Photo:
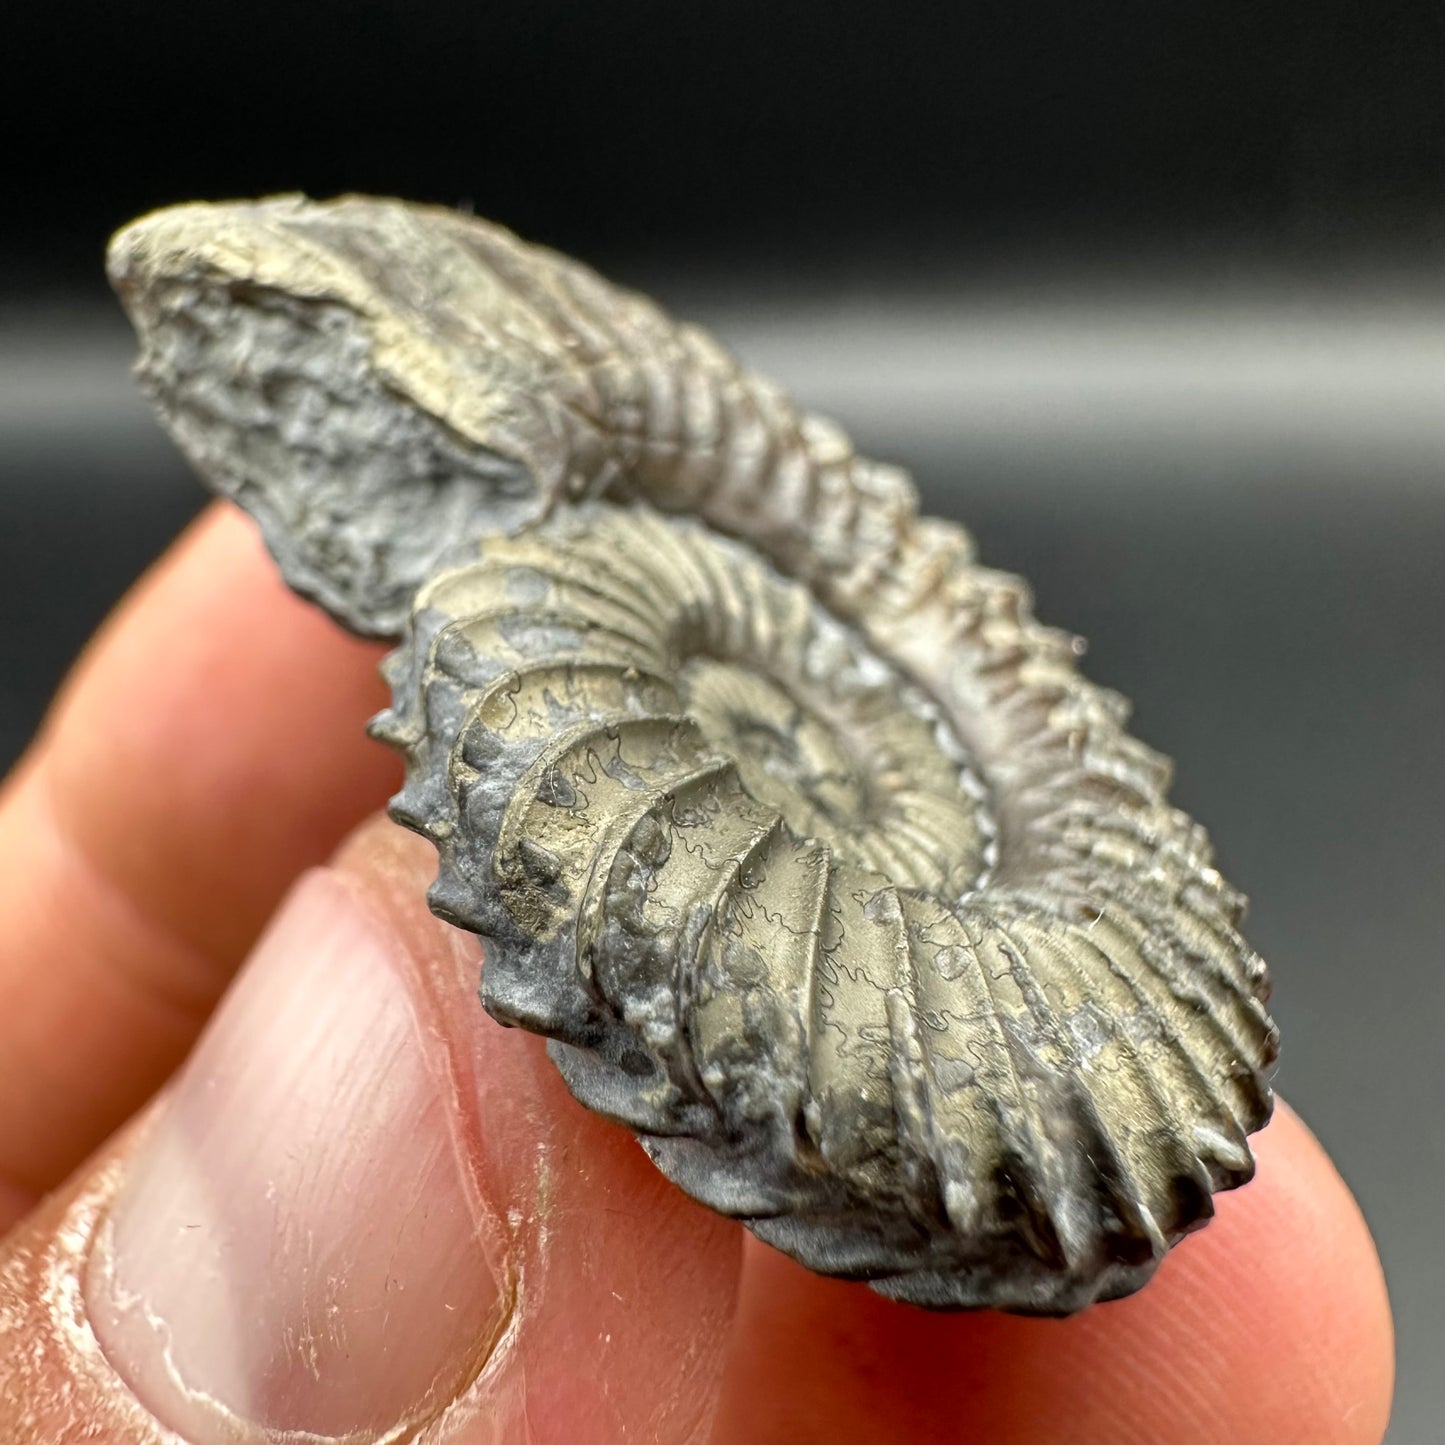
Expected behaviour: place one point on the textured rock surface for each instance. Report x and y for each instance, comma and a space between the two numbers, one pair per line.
810, 850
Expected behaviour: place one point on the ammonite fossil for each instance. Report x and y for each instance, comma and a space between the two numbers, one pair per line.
806, 846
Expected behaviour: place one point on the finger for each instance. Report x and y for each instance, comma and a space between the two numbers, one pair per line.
1269, 1328
207, 748
364, 1211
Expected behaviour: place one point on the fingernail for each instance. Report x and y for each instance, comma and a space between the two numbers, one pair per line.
298, 1248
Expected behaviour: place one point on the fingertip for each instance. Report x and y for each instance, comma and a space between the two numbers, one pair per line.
1269, 1327
1286, 1295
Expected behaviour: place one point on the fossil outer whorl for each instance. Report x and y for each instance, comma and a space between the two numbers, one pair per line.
811, 852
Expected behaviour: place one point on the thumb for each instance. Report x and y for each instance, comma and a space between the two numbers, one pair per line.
365, 1212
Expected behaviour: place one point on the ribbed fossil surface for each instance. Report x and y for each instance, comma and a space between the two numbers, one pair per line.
812, 853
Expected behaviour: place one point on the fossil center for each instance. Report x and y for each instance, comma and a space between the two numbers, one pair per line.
833, 737
788, 756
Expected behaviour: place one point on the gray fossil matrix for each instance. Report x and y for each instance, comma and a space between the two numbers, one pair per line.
809, 850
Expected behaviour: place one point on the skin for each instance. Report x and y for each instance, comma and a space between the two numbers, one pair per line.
128, 905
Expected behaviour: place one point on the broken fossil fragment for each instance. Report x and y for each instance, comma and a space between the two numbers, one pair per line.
810, 851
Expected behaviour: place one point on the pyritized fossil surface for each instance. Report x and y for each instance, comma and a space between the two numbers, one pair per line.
810, 851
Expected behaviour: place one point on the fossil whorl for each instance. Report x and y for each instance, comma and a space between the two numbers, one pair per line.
376, 381
812, 853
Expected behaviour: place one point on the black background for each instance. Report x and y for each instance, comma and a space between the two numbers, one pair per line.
783, 130
1261, 573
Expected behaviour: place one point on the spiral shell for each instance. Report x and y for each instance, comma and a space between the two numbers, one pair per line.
811, 852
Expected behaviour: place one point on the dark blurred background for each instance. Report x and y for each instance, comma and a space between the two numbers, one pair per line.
1151, 295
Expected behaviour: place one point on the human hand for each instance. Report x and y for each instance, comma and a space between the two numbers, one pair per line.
362, 1211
